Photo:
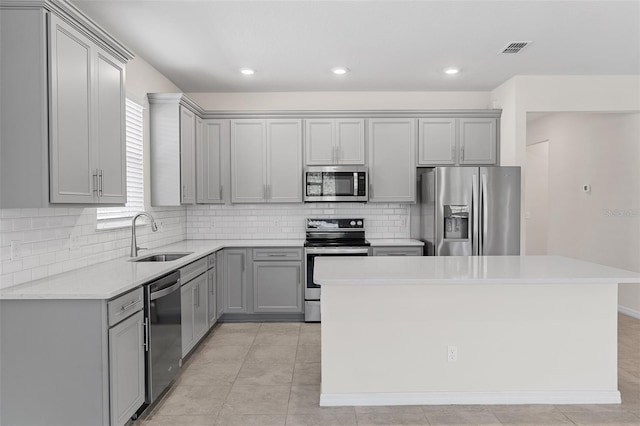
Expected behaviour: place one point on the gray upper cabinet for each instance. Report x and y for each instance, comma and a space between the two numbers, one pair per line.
457, 141
62, 128
248, 161
437, 144
478, 140
284, 161
392, 164
212, 163
266, 161
175, 126
190, 129
334, 141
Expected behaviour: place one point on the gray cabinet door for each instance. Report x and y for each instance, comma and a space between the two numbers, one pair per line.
349, 141
284, 161
188, 131
211, 297
277, 287
437, 141
220, 283
397, 251
212, 163
235, 281
73, 177
392, 167
187, 299
248, 152
109, 123
126, 368
318, 142
478, 140
200, 307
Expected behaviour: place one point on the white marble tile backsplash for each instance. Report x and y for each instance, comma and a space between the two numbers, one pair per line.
286, 221
55, 240
60, 239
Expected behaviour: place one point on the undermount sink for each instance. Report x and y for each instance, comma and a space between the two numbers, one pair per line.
161, 257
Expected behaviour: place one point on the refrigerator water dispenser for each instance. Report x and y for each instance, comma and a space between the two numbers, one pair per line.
456, 222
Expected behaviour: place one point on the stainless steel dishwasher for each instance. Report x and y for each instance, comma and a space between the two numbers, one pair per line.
163, 334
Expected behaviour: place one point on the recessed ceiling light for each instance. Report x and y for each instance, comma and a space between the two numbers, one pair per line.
451, 71
340, 70
247, 71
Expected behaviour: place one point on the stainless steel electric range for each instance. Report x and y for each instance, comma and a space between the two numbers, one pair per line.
329, 237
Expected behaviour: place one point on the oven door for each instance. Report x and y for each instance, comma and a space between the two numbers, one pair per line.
312, 290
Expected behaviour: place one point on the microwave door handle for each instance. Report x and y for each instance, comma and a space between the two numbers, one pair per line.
355, 184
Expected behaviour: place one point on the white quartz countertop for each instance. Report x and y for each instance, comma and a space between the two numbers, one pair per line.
391, 242
465, 270
109, 279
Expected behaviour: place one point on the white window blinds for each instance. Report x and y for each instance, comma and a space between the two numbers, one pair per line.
113, 217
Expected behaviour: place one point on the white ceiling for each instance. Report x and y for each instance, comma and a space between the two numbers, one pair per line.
388, 45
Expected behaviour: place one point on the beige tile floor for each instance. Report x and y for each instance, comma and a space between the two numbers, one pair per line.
269, 374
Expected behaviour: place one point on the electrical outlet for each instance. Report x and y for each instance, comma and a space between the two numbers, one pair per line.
16, 250
452, 353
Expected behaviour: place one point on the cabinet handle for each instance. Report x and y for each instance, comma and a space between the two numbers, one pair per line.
95, 183
462, 153
220, 192
125, 307
101, 182
146, 334
370, 191
196, 296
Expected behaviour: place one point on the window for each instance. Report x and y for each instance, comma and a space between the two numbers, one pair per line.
116, 217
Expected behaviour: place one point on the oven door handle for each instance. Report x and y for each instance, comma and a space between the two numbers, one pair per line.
336, 250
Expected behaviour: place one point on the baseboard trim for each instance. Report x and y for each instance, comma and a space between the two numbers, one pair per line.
469, 398
629, 311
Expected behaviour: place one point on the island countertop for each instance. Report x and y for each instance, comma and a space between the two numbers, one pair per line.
465, 270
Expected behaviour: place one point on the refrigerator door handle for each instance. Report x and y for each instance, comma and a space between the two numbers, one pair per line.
475, 234
483, 214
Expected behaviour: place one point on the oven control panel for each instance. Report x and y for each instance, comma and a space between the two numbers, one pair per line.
335, 224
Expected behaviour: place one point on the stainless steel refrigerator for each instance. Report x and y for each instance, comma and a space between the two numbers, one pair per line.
470, 211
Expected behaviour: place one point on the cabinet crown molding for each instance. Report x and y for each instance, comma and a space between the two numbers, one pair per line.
176, 98
75, 16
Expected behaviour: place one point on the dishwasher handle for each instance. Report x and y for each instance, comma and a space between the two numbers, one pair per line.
161, 293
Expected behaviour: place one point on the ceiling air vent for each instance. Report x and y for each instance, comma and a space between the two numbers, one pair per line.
514, 47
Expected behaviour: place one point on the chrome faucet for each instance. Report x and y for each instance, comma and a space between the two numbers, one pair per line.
134, 243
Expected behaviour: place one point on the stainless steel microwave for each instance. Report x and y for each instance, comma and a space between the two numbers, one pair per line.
336, 183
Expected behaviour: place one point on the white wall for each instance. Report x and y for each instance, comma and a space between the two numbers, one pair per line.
536, 196
287, 221
60, 239
341, 100
602, 150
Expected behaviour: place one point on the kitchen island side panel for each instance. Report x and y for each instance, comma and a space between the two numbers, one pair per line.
551, 340
53, 362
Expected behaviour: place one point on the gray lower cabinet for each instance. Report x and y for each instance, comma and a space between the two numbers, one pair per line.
219, 284
397, 251
277, 286
194, 313
236, 281
126, 368
71, 362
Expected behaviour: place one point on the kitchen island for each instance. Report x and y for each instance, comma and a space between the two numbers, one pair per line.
468, 330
